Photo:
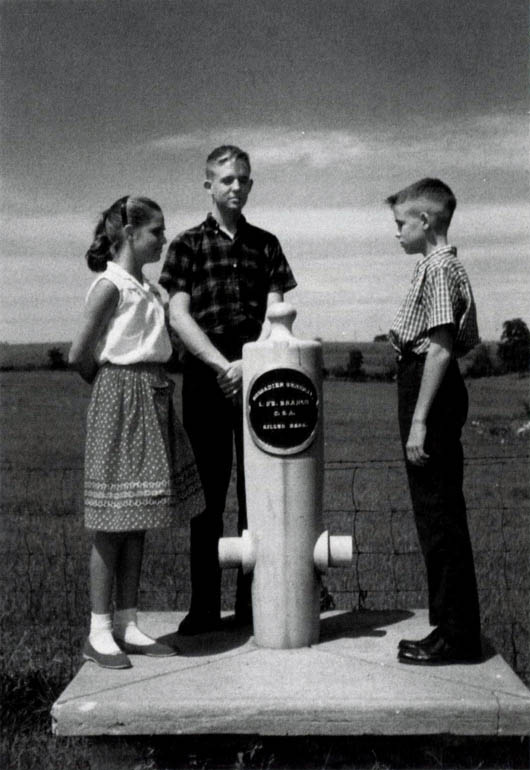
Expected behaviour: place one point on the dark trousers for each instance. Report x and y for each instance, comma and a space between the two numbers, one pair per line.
213, 423
438, 500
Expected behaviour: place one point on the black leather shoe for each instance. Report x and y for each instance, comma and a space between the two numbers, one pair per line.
441, 651
406, 644
199, 624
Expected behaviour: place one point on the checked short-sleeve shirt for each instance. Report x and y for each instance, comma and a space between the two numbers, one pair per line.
440, 294
228, 280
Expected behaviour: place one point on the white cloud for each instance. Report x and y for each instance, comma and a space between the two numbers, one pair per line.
482, 142
272, 146
367, 224
374, 224
488, 141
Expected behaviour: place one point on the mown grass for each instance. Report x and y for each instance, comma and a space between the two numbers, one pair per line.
43, 566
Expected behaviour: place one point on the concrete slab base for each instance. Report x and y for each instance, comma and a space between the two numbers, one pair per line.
351, 683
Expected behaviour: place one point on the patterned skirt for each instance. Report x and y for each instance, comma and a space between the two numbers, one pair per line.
140, 471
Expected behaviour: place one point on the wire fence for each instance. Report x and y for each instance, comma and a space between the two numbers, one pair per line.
388, 569
44, 550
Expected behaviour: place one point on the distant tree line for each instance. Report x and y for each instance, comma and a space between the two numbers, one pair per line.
514, 347
511, 354
56, 359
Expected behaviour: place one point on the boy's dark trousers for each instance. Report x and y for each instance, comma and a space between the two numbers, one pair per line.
438, 501
213, 423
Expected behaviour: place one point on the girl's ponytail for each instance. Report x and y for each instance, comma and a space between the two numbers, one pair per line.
109, 232
100, 250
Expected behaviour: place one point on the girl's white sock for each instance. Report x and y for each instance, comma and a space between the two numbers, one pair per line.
126, 630
100, 635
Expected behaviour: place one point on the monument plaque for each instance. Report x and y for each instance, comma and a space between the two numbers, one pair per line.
283, 409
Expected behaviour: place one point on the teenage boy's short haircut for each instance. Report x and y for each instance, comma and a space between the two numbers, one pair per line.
433, 190
223, 154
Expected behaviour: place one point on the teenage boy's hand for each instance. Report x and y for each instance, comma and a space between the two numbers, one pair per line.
230, 380
415, 443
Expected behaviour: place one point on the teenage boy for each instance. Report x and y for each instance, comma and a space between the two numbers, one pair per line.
221, 276
435, 324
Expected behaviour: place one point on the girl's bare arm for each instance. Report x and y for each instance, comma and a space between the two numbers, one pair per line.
100, 306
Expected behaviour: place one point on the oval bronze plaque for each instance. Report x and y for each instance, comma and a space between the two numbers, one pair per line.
283, 410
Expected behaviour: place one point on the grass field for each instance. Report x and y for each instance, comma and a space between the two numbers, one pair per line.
43, 566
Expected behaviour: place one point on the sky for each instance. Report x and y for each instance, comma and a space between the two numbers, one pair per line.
339, 104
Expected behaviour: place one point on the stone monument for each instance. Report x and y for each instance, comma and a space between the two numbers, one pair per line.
285, 545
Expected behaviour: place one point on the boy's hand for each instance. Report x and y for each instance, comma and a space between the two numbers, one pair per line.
415, 443
230, 380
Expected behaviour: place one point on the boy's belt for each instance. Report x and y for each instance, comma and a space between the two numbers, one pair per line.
409, 357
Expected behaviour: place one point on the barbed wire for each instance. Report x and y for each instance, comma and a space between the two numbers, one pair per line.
328, 464
367, 498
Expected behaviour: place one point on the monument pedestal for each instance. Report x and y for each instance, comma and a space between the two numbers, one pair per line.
350, 683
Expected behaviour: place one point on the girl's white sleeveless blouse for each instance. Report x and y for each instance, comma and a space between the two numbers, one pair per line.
137, 331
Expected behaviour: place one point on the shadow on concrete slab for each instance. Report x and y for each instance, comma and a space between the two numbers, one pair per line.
357, 623
228, 637
353, 624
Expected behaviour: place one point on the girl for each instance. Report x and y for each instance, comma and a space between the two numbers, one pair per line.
139, 465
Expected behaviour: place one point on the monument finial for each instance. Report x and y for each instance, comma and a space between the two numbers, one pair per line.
281, 316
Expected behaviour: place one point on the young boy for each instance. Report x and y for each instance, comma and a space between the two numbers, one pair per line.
435, 324
221, 276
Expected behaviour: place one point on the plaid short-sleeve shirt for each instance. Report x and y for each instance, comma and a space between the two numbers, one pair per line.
440, 294
228, 280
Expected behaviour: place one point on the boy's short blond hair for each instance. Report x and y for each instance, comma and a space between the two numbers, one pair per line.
224, 153
431, 195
